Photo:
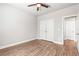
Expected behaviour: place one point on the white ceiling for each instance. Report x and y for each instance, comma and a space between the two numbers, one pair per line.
53, 7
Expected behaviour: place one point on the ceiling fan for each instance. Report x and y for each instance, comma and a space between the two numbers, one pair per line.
39, 5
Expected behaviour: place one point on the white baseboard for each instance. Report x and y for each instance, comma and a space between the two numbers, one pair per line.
6, 46
54, 41
58, 42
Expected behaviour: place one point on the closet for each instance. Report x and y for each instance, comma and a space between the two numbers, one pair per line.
47, 29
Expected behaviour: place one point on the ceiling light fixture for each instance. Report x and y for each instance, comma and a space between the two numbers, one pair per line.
38, 5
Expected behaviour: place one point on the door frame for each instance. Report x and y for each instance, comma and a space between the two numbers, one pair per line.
63, 20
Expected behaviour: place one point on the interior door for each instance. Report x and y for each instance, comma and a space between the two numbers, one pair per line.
50, 30
46, 29
69, 28
43, 29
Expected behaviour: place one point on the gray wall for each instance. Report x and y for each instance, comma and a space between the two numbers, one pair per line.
16, 25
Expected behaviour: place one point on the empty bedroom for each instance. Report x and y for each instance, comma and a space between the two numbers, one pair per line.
39, 29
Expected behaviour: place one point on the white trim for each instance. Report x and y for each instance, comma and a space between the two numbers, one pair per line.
6, 46
53, 41
58, 42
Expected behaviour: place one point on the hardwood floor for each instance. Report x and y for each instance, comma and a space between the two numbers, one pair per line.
39, 48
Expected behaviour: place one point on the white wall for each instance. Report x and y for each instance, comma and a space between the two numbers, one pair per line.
16, 25
58, 17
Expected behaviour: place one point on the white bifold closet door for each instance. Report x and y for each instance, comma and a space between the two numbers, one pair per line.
47, 29
69, 28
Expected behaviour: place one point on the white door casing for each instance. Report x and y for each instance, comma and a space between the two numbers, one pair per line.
69, 28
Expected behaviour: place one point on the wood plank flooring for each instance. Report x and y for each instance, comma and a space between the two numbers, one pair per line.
38, 48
